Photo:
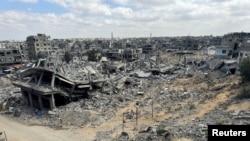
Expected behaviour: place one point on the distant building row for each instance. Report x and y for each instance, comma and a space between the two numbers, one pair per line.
234, 46
231, 45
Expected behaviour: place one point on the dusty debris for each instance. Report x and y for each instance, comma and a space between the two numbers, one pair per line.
146, 130
123, 137
17, 113
91, 94
3, 136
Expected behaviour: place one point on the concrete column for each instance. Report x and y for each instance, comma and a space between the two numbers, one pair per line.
40, 102
25, 97
71, 92
52, 102
30, 99
53, 81
40, 79
89, 77
35, 78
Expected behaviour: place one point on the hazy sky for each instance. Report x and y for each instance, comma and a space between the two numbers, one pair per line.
125, 18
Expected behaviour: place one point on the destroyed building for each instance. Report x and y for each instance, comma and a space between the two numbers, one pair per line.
224, 52
132, 54
215, 41
244, 50
37, 45
114, 54
147, 49
40, 87
233, 41
10, 56
44, 87
48, 86
190, 43
234, 46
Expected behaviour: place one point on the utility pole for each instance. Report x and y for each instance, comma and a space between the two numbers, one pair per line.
136, 115
152, 108
123, 121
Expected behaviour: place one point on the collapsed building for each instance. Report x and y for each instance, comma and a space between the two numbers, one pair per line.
40, 87
58, 84
44, 87
48, 86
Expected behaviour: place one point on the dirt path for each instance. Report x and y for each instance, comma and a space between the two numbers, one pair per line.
16, 131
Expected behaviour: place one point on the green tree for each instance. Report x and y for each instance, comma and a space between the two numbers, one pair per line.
92, 55
67, 57
245, 69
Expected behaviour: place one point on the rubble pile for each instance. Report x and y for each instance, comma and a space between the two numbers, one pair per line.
10, 96
170, 97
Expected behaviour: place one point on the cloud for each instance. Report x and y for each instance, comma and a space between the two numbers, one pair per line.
144, 3
97, 18
25, 1
84, 6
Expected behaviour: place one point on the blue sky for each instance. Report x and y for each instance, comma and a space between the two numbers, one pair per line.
125, 18
41, 6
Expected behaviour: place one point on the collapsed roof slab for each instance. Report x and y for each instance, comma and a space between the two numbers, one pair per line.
46, 83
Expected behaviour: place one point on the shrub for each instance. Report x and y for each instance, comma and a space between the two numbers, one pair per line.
67, 57
192, 106
92, 55
219, 122
245, 69
245, 92
160, 130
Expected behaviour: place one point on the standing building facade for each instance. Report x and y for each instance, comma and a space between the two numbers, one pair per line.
38, 45
10, 56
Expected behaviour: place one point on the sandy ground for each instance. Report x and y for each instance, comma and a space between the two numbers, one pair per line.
16, 131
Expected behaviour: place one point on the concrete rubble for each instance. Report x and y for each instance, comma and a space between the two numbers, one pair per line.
79, 94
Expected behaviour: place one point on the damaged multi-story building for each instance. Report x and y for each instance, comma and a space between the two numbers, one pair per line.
190, 43
38, 45
49, 87
44, 87
215, 41
231, 44
14, 46
10, 56
131, 54
114, 54
244, 50
40, 87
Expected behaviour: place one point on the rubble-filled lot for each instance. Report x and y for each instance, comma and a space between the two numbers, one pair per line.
176, 106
